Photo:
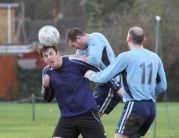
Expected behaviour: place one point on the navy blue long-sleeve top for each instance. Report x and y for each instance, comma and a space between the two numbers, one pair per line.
71, 89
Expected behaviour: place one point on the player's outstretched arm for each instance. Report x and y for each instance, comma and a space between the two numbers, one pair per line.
115, 86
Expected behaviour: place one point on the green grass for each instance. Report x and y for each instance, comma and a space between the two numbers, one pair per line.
18, 120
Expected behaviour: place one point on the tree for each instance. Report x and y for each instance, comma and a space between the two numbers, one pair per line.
113, 18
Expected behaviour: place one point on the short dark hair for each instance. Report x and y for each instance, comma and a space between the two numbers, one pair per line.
72, 33
136, 35
42, 49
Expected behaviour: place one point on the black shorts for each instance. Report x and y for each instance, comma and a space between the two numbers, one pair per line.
105, 98
88, 125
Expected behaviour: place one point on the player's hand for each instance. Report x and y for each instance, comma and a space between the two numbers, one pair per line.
87, 74
46, 80
73, 55
78, 56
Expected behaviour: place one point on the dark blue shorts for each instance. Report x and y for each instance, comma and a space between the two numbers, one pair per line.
105, 98
136, 118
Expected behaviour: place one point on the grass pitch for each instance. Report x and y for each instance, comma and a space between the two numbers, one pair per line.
19, 120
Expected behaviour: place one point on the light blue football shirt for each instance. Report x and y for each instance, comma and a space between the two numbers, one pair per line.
95, 46
142, 74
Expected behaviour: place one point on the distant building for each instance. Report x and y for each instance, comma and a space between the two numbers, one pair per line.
31, 60
18, 43
8, 68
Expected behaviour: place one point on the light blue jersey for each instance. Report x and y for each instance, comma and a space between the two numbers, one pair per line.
100, 55
96, 44
141, 71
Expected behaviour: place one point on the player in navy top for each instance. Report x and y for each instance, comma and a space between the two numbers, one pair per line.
96, 50
63, 78
143, 77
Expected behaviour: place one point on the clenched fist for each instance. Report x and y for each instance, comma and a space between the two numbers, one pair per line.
46, 80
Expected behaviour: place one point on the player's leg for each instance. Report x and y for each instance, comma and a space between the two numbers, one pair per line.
65, 128
100, 96
134, 116
150, 114
129, 123
90, 125
120, 136
105, 98
112, 102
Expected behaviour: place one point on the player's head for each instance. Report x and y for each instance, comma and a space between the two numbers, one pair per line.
76, 38
136, 36
50, 55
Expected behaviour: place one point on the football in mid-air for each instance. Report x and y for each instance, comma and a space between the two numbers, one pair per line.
48, 36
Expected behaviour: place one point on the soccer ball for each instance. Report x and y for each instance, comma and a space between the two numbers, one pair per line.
48, 36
